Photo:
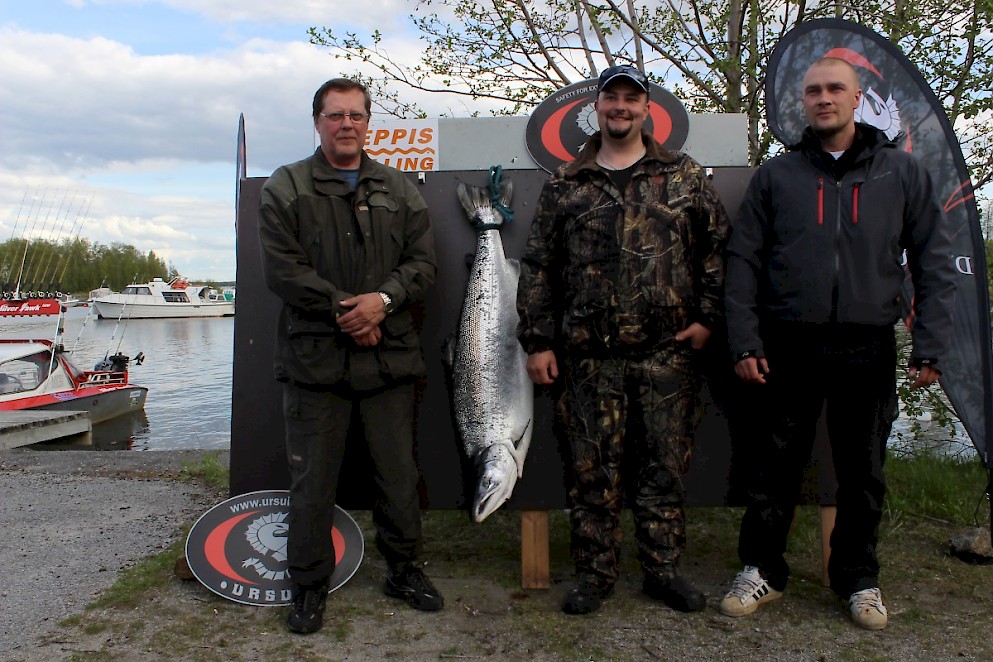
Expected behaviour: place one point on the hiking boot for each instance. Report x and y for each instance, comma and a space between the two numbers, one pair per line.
307, 608
748, 591
408, 583
675, 592
867, 609
585, 597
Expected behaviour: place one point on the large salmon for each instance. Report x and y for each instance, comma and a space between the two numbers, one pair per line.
492, 395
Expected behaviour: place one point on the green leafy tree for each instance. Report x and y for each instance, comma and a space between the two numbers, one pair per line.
508, 55
73, 265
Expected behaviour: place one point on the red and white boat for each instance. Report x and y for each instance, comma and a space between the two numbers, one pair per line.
38, 374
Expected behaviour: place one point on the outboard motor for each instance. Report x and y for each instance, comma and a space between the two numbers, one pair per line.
117, 363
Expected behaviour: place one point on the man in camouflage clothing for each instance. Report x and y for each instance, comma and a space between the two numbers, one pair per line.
620, 286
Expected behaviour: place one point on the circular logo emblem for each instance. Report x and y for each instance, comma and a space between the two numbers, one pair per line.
237, 549
562, 123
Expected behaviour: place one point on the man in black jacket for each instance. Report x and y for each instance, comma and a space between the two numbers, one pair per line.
814, 278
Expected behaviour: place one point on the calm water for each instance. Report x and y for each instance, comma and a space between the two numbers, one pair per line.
187, 371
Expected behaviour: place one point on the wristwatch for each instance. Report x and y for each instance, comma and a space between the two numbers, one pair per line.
387, 302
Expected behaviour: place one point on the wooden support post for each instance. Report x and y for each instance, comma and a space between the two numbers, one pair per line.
534, 549
828, 513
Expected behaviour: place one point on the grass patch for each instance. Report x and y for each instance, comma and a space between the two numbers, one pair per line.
134, 583
208, 470
938, 487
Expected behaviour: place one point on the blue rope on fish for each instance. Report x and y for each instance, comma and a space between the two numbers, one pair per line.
496, 172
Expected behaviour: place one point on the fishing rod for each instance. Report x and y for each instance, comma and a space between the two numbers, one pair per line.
34, 261
119, 317
24, 255
79, 228
47, 262
79, 336
9, 249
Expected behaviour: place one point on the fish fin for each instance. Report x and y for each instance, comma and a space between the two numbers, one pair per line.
519, 451
448, 353
471, 198
515, 266
479, 206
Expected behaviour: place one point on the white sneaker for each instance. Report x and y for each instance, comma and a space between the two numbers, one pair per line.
748, 591
867, 609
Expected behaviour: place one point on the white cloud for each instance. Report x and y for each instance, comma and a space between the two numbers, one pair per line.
151, 139
316, 12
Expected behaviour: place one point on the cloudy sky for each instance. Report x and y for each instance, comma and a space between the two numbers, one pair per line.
118, 118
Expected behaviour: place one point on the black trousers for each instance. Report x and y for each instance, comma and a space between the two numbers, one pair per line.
852, 369
317, 425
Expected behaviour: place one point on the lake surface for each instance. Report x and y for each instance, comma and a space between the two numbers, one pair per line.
187, 370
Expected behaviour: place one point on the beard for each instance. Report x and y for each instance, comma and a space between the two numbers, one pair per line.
619, 133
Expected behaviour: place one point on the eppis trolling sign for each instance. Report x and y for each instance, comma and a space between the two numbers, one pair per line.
237, 549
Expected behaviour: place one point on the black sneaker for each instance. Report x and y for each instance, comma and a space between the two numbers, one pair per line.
676, 592
585, 597
409, 583
307, 609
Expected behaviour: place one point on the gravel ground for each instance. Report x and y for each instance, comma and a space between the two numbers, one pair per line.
73, 519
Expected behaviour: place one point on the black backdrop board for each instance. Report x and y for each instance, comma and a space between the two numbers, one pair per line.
257, 458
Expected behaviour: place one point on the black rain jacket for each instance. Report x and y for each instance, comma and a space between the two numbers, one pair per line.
822, 241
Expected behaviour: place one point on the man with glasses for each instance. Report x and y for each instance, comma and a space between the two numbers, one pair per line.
347, 245
620, 287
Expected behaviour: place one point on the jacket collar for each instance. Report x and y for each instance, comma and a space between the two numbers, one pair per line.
329, 180
587, 157
868, 141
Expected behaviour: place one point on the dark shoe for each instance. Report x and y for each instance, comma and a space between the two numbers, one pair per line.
676, 592
586, 597
307, 609
408, 583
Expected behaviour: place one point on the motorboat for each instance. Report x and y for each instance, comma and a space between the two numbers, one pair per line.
38, 373
158, 299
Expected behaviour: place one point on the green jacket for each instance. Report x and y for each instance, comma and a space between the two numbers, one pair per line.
322, 243
607, 271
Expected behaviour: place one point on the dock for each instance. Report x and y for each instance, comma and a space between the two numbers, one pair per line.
26, 427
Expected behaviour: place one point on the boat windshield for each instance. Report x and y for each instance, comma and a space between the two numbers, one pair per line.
24, 373
132, 289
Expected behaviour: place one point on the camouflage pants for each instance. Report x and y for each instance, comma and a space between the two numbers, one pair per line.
630, 426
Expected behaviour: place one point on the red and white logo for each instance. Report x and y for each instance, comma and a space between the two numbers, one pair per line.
237, 549
562, 123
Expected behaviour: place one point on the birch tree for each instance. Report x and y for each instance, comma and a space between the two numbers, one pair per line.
711, 54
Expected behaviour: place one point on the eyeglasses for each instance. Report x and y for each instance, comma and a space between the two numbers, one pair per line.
336, 118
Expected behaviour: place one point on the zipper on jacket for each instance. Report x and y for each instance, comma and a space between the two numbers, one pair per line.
820, 201
837, 251
855, 202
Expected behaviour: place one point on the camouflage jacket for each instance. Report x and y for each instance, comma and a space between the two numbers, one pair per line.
608, 271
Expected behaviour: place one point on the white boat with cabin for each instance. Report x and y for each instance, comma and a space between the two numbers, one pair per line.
158, 299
